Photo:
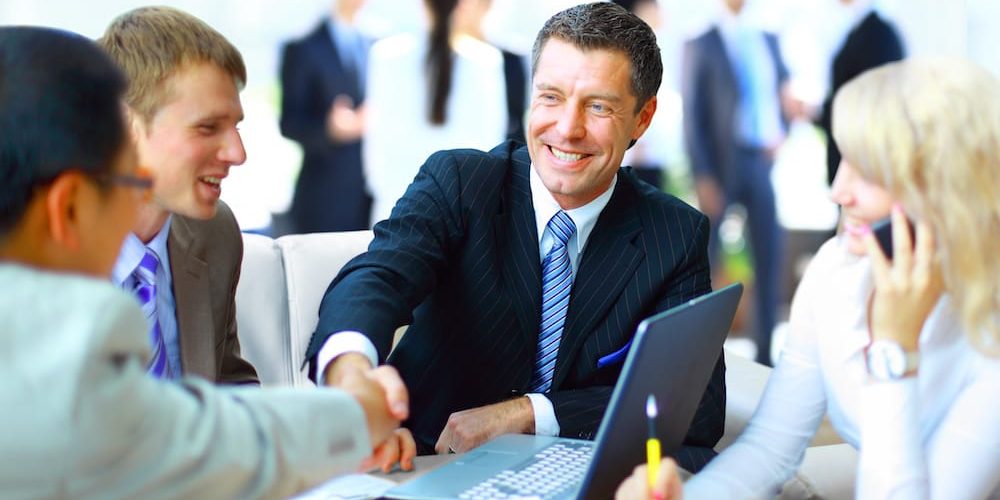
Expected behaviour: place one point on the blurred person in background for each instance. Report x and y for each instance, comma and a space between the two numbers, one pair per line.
651, 153
733, 79
322, 109
869, 41
903, 353
440, 90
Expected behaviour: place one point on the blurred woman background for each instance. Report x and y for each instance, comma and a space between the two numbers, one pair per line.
442, 90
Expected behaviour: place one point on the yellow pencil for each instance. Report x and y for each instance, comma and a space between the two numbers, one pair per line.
652, 444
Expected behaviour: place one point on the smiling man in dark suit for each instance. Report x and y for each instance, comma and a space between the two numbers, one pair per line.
523, 272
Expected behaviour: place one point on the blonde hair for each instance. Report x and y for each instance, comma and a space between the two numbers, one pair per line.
151, 44
928, 130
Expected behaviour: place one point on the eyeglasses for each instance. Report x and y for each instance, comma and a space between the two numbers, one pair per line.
141, 182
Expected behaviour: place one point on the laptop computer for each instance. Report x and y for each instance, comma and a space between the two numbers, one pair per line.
672, 357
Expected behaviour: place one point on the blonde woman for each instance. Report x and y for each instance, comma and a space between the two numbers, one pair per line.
902, 353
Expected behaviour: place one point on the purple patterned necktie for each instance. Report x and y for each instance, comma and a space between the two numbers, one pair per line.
145, 289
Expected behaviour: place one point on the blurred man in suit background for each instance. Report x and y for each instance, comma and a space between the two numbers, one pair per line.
322, 109
732, 80
871, 41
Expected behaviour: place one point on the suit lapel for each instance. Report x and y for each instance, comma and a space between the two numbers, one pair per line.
193, 301
347, 75
517, 240
606, 266
721, 57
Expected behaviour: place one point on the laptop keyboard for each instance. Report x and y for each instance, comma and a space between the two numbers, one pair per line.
545, 475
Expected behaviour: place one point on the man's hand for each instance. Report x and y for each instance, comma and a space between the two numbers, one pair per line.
335, 370
383, 397
668, 484
372, 397
399, 448
468, 429
344, 122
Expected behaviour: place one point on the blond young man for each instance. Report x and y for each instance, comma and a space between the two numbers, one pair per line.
183, 108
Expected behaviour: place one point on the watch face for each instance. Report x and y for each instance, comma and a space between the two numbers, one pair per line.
886, 360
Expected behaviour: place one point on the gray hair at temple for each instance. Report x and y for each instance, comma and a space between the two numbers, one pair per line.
608, 26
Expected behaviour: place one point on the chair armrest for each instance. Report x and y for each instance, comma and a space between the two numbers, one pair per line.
262, 311
311, 261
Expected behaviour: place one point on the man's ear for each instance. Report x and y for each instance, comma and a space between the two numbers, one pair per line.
645, 117
62, 207
136, 124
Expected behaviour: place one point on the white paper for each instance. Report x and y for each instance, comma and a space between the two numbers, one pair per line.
349, 487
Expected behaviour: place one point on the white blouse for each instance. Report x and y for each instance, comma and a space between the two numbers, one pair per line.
936, 435
399, 136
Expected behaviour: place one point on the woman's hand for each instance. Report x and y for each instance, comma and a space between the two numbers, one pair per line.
668, 484
907, 287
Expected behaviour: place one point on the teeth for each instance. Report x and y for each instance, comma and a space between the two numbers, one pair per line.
564, 156
211, 180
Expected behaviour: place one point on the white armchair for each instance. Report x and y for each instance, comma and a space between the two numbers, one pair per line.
277, 300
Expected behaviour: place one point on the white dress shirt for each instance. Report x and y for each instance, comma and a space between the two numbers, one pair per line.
545, 206
936, 435
166, 308
758, 120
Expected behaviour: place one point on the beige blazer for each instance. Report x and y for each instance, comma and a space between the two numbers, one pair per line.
81, 419
205, 261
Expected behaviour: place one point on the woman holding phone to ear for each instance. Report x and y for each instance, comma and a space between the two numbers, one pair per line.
903, 354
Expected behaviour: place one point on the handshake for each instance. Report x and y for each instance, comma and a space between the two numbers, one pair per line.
384, 399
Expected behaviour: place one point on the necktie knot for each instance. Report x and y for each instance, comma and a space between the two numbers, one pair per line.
145, 272
561, 226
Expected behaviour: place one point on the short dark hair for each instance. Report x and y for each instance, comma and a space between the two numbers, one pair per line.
60, 97
607, 26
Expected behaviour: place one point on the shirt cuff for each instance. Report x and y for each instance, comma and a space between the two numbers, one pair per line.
340, 343
892, 452
545, 415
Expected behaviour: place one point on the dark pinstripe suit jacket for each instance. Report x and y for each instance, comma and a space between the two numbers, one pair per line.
458, 261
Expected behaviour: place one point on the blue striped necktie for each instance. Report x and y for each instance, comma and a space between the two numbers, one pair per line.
145, 289
557, 279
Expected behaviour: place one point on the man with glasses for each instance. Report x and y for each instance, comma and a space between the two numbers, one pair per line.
81, 417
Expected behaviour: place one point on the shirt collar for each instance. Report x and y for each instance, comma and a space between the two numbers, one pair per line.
730, 25
858, 10
339, 31
584, 217
133, 250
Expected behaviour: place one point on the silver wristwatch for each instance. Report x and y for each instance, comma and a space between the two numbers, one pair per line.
888, 361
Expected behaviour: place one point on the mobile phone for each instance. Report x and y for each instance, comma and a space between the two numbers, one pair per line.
883, 233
